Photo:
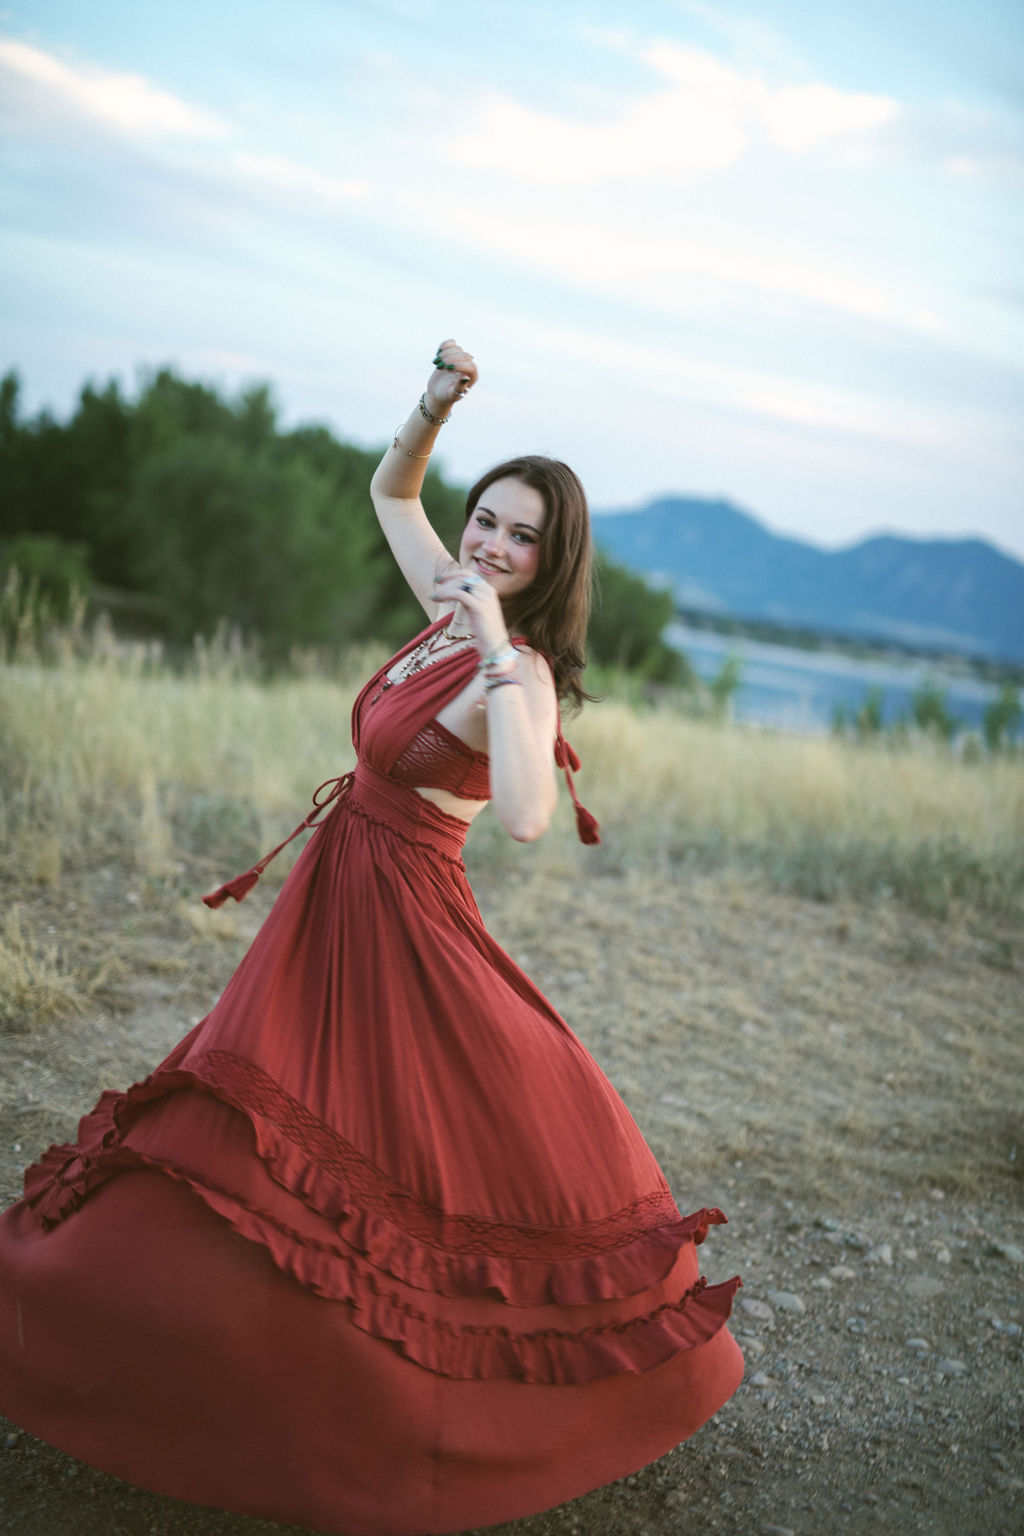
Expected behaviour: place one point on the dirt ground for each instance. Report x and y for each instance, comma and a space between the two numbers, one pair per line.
844, 1081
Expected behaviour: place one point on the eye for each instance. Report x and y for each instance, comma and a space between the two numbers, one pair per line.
484, 520
525, 538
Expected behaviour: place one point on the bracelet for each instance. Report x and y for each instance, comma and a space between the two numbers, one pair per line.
435, 421
499, 668
501, 682
397, 443
505, 652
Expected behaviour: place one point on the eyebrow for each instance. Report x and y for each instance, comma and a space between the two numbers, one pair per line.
481, 508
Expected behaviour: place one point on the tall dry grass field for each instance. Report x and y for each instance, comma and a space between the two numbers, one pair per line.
106, 751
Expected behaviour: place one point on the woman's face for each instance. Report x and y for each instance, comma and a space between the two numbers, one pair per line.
501, 540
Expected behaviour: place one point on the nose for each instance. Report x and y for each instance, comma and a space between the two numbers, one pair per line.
494, 544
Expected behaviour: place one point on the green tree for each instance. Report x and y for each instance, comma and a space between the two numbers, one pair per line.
14, 467
255, 539
724, 684
627, 624
1001, 718
56, 569
930, 713
869, 720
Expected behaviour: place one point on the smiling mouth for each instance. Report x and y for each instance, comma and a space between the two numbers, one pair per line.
496, 570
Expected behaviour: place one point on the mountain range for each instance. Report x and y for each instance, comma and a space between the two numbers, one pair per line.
960, 595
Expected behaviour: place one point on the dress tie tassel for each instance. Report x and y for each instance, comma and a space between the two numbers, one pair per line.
241, 885
587, 828
586, 825
237, 889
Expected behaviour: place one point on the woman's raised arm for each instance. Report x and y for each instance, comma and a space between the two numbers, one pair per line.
398, 479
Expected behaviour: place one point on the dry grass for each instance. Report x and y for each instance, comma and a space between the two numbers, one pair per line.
822, 817
108, 752
35, 987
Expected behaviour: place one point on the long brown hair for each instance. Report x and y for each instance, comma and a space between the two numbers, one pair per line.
552, 612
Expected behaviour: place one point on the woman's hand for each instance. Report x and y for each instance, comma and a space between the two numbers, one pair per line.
454, 375
479, 602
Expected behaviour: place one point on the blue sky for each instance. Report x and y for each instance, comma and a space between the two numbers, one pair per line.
769, 251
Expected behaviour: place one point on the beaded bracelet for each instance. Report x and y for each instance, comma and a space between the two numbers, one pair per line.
435, 421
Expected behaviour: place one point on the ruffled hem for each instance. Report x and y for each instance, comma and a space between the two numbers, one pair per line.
449, 1255
458, 1351
365, 1254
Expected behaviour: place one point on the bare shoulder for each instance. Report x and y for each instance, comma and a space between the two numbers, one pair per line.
533, 664
538, 679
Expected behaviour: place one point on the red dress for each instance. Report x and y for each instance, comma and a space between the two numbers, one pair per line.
378, 1249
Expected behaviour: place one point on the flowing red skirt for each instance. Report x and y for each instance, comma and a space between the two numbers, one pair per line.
377, 1250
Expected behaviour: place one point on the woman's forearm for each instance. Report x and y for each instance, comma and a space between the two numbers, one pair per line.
401, 471
398, 478
523, 786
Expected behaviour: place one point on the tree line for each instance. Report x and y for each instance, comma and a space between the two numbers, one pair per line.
930, 715
181, 510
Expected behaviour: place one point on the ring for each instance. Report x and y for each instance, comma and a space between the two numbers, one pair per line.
471, 582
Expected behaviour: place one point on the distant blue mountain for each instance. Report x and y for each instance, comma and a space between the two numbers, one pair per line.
947, 594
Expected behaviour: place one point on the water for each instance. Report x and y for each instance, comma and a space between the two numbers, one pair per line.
796, 690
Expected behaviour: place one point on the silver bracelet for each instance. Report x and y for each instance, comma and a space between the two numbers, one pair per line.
435, 421
397, 443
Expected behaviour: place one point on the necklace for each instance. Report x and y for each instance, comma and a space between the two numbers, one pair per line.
422, 656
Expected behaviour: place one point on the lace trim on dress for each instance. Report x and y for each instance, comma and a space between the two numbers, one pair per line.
428, 763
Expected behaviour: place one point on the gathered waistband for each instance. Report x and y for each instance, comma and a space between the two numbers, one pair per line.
378, 798
398, 806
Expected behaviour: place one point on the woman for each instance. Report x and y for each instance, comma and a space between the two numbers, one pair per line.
378, 1249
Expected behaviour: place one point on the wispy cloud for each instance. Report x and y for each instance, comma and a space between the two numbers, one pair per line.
771, 397
127, 103
664, 135
796, 117
711, 112
676, 274
180, 152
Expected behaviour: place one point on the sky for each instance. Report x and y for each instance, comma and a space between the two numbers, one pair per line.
769, 250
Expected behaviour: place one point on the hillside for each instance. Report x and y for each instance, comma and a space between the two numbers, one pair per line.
950, 594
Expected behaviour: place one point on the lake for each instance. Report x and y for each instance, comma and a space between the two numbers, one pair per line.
797, 690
